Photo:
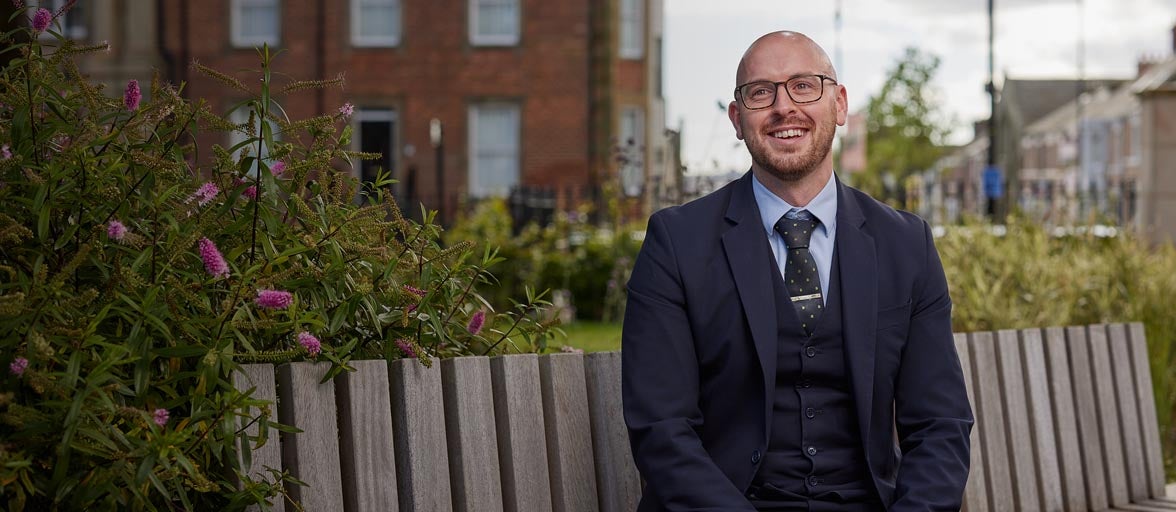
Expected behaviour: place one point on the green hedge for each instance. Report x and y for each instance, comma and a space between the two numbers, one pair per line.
1021, 275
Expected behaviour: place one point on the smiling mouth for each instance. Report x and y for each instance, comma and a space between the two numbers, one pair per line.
788, 134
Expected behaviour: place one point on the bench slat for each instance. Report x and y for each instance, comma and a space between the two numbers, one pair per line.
471, 432
1087, 415
1134, 455
1066, 424
1146, 401
522, 445
618, 483
366, 439
313, 455
269, 454
418, 419
1016, 413
975, 494
990, 412
1108, 415
1041, 420
569, 433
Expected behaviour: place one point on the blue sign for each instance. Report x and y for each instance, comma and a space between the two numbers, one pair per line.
993, 182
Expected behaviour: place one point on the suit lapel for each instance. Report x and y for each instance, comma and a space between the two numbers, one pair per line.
858, 264
748, 253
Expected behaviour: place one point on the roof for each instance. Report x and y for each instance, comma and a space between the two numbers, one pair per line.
1160, 77
1030, 100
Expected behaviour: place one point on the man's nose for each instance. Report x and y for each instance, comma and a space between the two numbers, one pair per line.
783, 103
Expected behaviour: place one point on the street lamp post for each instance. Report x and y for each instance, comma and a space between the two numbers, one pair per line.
435, 138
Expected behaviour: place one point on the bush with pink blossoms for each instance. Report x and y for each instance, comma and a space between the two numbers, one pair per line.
131, 259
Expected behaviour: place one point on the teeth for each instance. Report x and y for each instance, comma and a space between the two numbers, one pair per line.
786, 134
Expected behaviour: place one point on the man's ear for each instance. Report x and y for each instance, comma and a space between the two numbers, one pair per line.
733, 113
842, 105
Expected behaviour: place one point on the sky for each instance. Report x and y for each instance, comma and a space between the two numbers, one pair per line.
704, 40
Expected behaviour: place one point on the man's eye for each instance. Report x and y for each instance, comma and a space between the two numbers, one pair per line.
760, 91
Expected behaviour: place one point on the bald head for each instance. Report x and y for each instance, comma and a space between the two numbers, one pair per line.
783, 45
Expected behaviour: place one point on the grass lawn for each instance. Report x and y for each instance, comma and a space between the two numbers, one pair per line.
592, 336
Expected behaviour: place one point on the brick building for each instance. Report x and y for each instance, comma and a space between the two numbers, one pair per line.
497, 94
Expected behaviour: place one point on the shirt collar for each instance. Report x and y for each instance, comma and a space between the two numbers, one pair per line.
772, 207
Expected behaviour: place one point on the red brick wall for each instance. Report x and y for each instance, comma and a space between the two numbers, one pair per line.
433, 73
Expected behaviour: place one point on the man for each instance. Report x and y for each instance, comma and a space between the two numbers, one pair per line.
787, 342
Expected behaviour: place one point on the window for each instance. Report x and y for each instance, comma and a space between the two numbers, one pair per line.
1135, 139
255, 22
377, 134
239, 117
632, 150
494, 22
375, 22
72, 24
494, 149
632, 29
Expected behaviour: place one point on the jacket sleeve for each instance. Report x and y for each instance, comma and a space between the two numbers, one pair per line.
660, 386
932, 413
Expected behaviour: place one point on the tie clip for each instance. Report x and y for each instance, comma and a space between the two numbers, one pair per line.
799, 298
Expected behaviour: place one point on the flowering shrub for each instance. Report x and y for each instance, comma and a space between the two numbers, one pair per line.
136, 277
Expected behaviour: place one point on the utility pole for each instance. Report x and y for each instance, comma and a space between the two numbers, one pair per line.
993, 188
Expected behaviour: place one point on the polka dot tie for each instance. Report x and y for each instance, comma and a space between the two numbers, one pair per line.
801, 278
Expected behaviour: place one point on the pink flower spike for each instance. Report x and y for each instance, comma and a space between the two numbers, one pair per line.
203, 195
161, 416
476, 321
414, 290
214, 263
116, 230
405, 347
310, 343
5, 152
18, 365
250, 192
411, 307
347, 109
42, 19
278, 168
132, 95
274, 299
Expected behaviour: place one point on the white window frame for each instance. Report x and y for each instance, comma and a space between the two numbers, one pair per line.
479, 39
632, 29
636, 163
241, 116
474, 189
239, 40
377, 41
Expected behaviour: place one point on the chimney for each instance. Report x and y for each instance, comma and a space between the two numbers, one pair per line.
1144, 64
1173, 39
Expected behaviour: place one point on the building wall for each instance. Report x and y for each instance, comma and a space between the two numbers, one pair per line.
553, 74
1158, 180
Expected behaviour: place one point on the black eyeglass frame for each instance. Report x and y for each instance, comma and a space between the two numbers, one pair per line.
743, 101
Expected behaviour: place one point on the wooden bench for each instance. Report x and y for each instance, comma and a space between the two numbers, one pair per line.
1065, 421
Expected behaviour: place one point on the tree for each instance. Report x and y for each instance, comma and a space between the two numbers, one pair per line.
905, 127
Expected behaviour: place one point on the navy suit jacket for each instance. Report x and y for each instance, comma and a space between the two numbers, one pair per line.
699, 354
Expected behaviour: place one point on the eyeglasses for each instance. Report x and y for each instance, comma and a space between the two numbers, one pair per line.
801, 89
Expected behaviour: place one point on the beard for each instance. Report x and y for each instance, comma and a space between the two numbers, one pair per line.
790, 166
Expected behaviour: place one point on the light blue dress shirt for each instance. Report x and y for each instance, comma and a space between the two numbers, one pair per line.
823, 207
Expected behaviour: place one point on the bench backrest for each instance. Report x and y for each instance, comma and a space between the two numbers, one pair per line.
1065, 421
519, 432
